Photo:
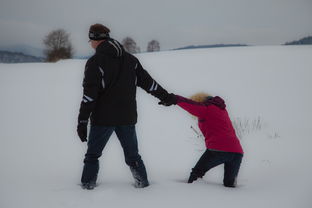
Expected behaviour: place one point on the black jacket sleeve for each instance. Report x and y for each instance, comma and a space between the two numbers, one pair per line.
146, 82
91, 89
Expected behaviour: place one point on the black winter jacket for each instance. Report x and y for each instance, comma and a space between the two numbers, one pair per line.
109, 86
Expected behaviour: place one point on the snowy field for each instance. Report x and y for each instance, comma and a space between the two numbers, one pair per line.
267, 88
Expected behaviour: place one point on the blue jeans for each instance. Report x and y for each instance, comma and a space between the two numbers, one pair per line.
98, 138
211, 159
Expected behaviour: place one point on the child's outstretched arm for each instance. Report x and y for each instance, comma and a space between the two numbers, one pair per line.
194, 108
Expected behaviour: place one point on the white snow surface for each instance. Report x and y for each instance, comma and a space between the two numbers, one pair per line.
41, 155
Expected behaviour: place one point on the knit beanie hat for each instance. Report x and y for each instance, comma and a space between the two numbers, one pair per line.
98, 32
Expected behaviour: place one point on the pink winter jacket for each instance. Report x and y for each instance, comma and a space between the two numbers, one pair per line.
214, 123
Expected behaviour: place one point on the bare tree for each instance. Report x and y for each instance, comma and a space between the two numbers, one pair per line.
58, 46
153, 46
130, 45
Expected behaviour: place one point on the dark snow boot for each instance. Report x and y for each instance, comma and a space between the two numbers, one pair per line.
193, 177
88, 186
139, 180
231, 183
139, 174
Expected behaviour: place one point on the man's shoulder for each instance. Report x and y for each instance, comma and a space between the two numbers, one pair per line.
91, 65
131, 59
91, 60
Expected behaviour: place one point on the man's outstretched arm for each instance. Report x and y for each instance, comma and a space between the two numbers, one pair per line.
146, 82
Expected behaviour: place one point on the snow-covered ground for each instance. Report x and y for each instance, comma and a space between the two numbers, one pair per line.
41, 155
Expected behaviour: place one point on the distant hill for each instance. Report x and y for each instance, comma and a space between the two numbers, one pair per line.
303, 41
14, 57
82, 57
25, 49
210, 46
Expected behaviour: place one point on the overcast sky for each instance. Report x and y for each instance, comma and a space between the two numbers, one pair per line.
174, 23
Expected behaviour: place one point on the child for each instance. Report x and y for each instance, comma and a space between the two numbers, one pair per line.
223, 146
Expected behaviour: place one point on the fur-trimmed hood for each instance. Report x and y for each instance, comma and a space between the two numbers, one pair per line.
217, 101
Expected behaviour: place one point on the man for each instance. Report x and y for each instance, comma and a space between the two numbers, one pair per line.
109, 99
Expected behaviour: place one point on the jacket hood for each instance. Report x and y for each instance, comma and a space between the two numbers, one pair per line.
217, 101
110, 47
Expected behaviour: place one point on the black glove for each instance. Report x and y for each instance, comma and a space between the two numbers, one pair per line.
82, 130
170, 99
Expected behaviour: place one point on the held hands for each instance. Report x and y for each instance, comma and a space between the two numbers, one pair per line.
82, 130
170, 99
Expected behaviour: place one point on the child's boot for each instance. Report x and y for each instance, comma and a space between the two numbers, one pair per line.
193, 177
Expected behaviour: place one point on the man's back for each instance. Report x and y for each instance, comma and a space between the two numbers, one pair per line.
115, 76
111, 77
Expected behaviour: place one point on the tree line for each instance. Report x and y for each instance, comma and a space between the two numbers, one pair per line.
58, 46
302, 41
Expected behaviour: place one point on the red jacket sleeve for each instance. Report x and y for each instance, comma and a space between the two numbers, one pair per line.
194, 108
